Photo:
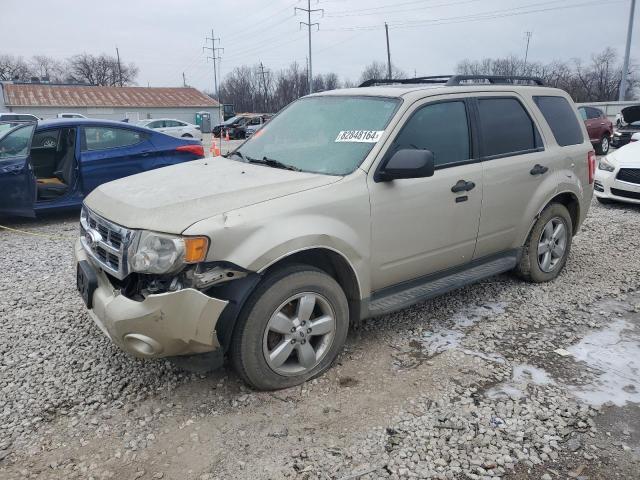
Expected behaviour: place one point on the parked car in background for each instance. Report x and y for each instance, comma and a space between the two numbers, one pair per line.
236, 127
256, 124
54, 164
599, 128
175, 128
70, 115
18, 117
618, 175
630, 124
351, 204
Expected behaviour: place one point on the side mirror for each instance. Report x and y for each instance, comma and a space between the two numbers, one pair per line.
407, 163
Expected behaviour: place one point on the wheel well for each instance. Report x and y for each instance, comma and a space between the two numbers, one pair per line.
570, 201
334, 265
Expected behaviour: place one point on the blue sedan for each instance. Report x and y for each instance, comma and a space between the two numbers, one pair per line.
53, 164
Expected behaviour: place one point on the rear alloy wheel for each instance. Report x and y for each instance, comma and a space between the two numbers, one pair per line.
546, 250
291, 329
603, 146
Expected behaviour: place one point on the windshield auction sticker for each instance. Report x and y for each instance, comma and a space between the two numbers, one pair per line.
362, 136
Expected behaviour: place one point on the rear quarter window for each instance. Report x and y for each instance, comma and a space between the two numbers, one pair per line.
561, 119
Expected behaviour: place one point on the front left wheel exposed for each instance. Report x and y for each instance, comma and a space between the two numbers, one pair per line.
602, 148
292, 328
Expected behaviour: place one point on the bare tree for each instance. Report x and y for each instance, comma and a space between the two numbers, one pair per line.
47, 67
379, 70
100, 70
14, 68
597, 81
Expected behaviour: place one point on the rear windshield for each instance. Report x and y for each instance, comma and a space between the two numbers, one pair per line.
561, 119
324, 134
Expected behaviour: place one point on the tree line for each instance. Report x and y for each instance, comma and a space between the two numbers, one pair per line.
597, 80
102, 70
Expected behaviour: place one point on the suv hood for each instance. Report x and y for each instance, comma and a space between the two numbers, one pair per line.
631, 114
171, 199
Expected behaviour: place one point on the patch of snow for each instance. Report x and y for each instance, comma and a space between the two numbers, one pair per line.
523, 375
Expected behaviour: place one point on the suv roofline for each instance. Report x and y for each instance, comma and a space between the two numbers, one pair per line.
454, 80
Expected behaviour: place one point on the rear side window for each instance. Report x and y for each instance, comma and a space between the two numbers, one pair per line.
440, 127
102, 138
561, 119
506, 127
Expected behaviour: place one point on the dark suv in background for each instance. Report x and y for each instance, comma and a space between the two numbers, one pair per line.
599, 127
630, 124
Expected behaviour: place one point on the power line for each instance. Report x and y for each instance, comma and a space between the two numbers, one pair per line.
355, 13
308, 23
215, 57
526, 52
472, 18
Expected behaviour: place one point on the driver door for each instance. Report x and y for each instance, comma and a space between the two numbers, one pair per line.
17, 182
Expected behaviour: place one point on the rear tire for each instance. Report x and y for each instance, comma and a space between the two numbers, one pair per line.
602, 148
547, 248
292, 328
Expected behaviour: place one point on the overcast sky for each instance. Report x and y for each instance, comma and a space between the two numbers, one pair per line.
165, 37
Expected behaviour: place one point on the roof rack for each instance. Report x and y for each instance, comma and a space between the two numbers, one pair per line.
452, 80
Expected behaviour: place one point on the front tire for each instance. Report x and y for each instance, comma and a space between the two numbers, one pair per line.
292, 328
602, 148
545, 252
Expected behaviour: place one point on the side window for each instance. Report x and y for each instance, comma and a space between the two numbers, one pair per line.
179, 124
16, 143
582, 111
506, 127
594, 113
155, 124
561, 119
442, 128
47, 139
102, 138
170, 123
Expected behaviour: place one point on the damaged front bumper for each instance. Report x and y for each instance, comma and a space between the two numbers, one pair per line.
162, 325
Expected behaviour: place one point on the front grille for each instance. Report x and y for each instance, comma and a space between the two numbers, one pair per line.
631, 175
106, 242
624, 193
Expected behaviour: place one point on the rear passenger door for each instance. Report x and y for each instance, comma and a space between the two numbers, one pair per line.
109, 153
420, 226
516, 171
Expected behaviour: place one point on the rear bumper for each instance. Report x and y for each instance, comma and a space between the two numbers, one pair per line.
163, 325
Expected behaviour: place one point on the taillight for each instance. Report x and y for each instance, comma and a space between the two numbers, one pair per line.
195, 149
591, 160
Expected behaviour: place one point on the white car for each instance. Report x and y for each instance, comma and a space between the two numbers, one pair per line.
175, 128
618, 174
70, 115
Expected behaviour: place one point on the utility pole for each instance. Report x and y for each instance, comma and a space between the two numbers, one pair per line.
526, 52
119, 67
215, 57
386, 29
263, 72
308, 23
627, 52
184, 80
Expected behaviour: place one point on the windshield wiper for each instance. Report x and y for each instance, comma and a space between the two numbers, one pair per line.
234, 153
270, 162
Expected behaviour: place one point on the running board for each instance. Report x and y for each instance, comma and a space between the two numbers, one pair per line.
415, 291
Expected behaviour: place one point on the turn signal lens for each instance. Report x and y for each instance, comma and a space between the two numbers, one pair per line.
591, 163
195, 249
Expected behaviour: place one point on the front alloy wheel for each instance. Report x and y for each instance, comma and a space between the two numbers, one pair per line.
299, 334
291, 329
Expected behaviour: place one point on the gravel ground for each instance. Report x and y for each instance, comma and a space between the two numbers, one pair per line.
500, 379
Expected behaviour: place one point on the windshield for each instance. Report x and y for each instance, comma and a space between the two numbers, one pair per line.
232, 120
325, 134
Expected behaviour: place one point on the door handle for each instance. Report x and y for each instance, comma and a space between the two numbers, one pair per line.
145, 153
538, 170
463, 186
602, 124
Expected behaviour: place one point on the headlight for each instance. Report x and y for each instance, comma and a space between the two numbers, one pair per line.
161, 253
605, 165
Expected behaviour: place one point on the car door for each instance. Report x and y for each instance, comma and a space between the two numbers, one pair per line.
421, 226
17, 182
588, 123
514, 168
109, 153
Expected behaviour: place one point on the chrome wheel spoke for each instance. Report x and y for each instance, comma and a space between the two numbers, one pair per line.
306, 355
280, 323
558, 252
321, 326
281, 353
546, 261
558, 232
306, 304
547, 233
543, 247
